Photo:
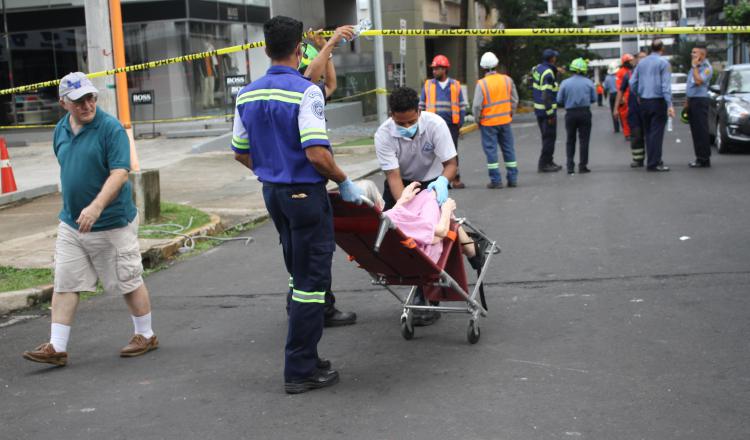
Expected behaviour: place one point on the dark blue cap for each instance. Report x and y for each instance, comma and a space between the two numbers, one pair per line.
549, 53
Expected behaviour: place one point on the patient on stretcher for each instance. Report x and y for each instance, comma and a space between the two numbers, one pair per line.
418, 215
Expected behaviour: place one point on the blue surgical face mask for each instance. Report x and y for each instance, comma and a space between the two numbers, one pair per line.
408, 132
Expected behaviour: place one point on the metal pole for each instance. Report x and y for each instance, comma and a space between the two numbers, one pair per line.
99, 51
121, 81
377, 21
10, 64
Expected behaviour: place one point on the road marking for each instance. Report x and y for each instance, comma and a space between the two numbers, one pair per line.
17, 319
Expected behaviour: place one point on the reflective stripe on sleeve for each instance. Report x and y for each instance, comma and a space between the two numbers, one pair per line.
240, 144
313, 133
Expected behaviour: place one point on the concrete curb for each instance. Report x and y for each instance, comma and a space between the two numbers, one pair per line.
32, 193
22, 299
158, 253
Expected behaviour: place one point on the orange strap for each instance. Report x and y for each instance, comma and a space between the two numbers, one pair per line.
351, 258
409, 243
451, 235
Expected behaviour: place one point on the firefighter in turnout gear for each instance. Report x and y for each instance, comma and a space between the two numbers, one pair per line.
442, 95
545, 89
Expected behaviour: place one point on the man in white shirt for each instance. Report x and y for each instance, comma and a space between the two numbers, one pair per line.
414, 146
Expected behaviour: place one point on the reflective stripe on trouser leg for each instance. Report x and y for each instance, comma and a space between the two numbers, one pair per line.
507, 147
489, 145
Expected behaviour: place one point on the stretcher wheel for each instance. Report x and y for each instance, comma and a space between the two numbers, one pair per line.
472, 332
407, 329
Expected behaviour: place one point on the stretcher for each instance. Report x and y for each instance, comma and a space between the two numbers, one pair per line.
392, 259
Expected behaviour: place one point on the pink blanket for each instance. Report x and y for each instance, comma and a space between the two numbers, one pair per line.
417, 219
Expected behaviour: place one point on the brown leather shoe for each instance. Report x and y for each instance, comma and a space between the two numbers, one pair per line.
46, 354
457, 184
139, 345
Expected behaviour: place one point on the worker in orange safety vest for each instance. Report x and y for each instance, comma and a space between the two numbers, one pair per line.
442, 95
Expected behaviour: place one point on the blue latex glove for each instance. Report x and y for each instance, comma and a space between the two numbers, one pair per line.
350, 192
440, 186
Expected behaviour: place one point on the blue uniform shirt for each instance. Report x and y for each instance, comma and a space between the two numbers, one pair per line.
652, 78
276, 118
576, 91
693, 90
86, 160
610, 84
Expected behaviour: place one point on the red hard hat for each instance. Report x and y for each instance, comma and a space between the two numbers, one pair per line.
440, 61
627, 57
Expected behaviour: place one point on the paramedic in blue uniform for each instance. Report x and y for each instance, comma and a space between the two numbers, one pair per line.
280, 133
652, 81
698, 103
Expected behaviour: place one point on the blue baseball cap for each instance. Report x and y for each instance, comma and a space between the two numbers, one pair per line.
76, 85
549, 53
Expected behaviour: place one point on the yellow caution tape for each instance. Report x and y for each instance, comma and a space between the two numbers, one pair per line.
377, 91
15, 127
540, 32
546, 32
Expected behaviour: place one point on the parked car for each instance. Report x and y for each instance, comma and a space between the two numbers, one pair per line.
679, 85
729, 114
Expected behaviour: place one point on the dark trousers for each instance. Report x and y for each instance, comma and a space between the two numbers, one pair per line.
578, 121
615, 119
388, 198
303, 218
549, 136
654, 118
637, 139
698, 115
599, 99
454, 129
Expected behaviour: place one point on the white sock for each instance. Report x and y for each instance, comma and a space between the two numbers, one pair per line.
60, 334
142, 325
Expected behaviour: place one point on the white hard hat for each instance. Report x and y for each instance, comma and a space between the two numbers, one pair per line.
488, 61
613, 66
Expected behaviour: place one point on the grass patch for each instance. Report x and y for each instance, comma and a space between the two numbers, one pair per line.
362, 142
17, 279
176, 214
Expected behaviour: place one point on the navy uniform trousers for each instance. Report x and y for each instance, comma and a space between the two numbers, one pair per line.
303, 217
549, 136
654, 118
698, 118
577, 121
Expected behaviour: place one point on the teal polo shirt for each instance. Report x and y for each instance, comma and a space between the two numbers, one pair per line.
86, 160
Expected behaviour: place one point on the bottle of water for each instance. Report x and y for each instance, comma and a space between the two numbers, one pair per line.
669, 124
364, 25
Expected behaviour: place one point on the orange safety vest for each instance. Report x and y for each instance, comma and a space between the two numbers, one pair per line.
432, 105
496, 105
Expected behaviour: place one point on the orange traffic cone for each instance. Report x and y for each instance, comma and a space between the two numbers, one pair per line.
6, 171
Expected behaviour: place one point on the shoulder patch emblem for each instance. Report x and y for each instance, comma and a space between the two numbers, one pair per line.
317, 109
428, 147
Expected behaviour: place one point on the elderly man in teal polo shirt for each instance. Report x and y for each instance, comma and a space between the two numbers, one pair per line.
97, 238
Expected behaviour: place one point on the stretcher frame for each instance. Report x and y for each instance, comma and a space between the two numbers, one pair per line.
440, 279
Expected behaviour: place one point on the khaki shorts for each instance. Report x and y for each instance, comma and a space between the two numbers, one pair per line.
111, 256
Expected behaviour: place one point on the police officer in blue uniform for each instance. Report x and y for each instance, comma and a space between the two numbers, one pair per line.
280, 133
652, 82
544, 92
697, 106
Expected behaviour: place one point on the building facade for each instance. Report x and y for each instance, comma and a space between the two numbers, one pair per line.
607, 13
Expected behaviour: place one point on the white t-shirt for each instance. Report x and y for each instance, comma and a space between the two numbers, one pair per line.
444, 84
418, 159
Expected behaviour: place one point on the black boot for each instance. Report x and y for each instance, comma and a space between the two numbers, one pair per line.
335, 317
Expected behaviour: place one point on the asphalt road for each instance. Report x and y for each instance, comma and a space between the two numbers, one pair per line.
618, 310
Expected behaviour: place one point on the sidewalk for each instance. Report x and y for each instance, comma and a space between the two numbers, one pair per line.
213, 182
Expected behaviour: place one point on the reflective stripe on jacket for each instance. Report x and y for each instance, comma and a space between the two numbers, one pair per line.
545, 89
496, 103
432, 105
